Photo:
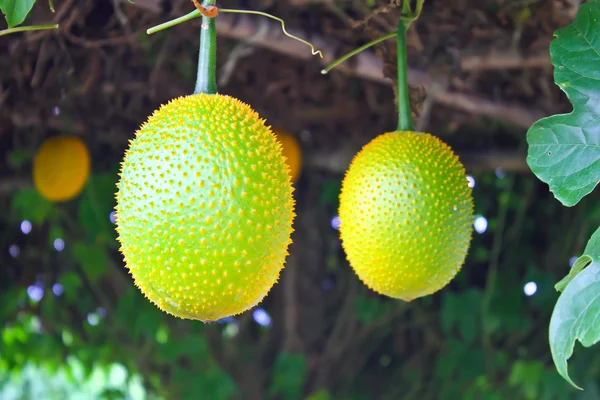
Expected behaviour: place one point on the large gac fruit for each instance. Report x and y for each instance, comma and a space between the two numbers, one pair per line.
204, 207
406, 214
61, 168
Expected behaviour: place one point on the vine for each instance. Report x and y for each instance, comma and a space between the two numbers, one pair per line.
211, 12
407, 17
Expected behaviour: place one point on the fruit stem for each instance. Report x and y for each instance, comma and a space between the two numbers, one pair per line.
206, 81
405, 122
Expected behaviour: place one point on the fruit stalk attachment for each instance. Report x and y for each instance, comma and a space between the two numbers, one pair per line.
206, 81
405, 122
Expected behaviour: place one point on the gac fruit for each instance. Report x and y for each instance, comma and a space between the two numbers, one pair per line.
406, 214
61, 168
204, 207
291, 152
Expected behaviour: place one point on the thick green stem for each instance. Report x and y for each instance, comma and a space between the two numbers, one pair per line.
405, 122
207, 57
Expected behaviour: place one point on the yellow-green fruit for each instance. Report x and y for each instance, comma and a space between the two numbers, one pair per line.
204, 207
406, 214
61, 168
292, 153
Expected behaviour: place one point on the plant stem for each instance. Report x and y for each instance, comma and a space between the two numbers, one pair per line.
356, 51
207, 57
27, 28
173, 22
405, 122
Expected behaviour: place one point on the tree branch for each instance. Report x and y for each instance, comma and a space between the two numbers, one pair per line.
367, 66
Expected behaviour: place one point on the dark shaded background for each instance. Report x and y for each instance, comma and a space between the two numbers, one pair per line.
481, 75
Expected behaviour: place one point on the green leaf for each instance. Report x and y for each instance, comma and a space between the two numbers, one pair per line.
289, 373
30, 205
527, 375
15, 11
579, 265
92, 258
564, 149
575, 316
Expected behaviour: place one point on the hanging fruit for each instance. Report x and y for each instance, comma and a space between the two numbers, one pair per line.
406, 210
292, 153
204, 201
61, 168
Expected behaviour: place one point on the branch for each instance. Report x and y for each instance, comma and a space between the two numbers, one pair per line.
367, 66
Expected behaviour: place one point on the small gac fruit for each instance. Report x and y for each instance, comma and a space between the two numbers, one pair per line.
406, 214
61, 168
204, 208
292, 153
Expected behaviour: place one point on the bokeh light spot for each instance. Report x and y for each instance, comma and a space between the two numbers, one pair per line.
335, 223
93, 319
36, 291
480, 224
471, 181
57, 289
261, 317
530, 288
59, 244
231, 330
572, 261
26, 227
14, 251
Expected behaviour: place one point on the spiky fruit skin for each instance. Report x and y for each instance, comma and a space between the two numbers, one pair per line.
406, 214
61, 168
291, 152
204, 208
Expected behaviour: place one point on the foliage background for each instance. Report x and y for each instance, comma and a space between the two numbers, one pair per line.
92, 335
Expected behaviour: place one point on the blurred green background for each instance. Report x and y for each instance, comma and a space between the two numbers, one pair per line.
73, 326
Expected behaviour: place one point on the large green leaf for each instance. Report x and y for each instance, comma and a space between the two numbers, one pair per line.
575, 315
15, 11
564, 149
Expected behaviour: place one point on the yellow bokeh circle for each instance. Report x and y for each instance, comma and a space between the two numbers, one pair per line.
61, 168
